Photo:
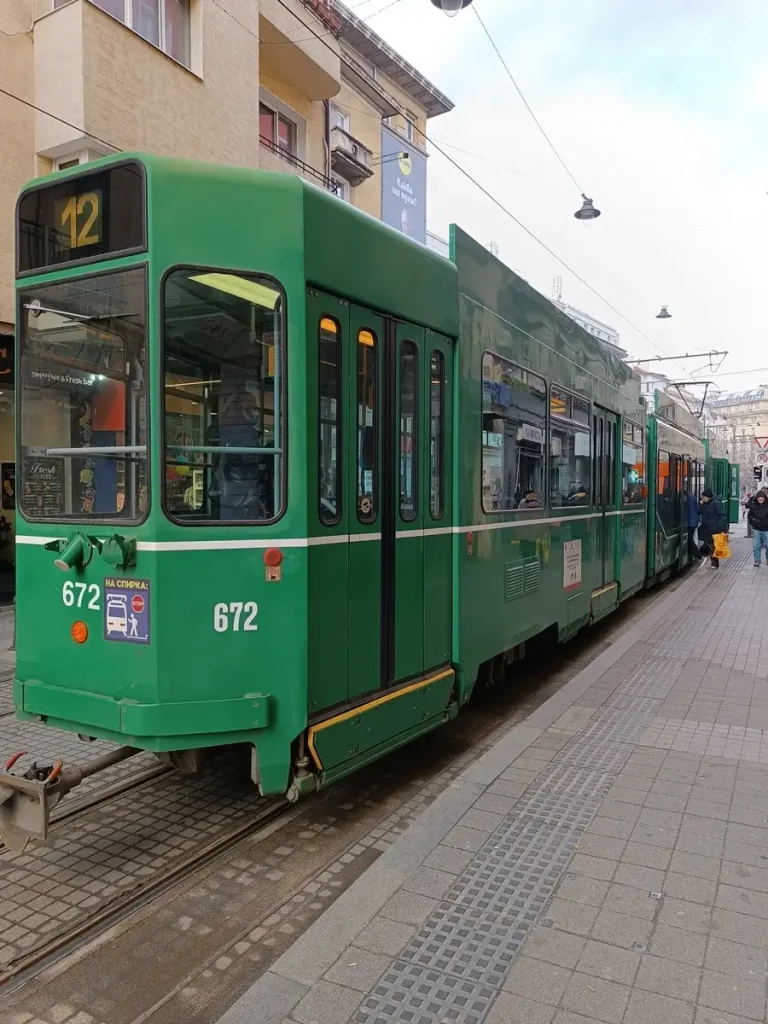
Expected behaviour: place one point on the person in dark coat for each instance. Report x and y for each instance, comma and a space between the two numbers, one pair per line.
712, 520
691, 522
757, 517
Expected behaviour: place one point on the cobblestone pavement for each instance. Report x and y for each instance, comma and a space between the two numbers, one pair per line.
606, 861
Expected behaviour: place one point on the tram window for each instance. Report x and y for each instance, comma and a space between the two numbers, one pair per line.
329, 397
436, 434
514, 431
569, 449
83, 399
367, 426
223, 398
632, 467
409, 431
666, 489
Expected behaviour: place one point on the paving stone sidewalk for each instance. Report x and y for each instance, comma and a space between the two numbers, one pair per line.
606, 861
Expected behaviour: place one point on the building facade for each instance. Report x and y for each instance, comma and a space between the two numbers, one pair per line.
296, 86
745, 428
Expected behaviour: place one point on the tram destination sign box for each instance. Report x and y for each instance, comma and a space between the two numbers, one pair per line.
85, 217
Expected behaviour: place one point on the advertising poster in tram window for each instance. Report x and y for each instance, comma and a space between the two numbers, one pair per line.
403, 186
8, 485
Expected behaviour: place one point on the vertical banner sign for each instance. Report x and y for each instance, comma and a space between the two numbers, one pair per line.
403, 186
571, 564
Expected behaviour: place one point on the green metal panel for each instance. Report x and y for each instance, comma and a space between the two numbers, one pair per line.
375, 265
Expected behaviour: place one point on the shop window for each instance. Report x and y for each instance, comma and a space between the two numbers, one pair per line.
513, 434
569, 449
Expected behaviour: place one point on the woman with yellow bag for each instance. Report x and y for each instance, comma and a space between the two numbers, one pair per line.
713, 528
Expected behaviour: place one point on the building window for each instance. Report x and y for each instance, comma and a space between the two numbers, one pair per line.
163, 23
277, 130
64, 165
341, 188
514, 431
569, 449
410, 126
339, 119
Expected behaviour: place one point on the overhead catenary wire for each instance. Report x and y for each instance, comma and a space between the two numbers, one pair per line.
526, 104
485, 191
462, 170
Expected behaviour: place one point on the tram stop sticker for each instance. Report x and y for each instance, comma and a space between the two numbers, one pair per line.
571, 564
126, 610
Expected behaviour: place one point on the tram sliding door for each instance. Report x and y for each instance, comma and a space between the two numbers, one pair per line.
604, 469
400, 550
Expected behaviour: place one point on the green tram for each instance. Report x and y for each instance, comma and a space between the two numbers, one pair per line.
288, 479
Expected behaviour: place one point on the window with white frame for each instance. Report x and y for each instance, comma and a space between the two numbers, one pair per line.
278, 130
410, 125
163, 23
341, 187
339, 119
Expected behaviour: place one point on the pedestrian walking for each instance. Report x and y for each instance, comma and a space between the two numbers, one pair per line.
691, 522
757, 517
712, 520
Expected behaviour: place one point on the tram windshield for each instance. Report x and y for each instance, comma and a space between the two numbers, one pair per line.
83, 398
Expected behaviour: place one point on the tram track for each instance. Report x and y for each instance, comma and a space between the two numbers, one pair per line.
16, 972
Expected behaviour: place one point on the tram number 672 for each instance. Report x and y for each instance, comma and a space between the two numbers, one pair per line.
236, 616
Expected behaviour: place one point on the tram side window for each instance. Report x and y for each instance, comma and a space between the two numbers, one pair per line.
409, 431
514, 431
666, 489
329, 394
436, 434
632, 468
223, 397
367, 425
569, 449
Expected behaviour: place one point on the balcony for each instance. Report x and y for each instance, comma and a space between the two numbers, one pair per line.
349, 158
299, 44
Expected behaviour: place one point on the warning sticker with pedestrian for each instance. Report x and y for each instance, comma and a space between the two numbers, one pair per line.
126, 610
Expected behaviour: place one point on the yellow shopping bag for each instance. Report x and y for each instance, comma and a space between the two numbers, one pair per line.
721, 545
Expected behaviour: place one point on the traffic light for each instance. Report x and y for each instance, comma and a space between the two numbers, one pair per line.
451, 7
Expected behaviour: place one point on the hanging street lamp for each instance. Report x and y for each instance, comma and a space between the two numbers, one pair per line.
451, 7
588, 210
664, 314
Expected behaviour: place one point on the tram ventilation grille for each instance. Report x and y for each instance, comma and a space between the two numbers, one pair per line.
521, 578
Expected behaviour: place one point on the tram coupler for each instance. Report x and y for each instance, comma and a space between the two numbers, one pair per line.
27, 799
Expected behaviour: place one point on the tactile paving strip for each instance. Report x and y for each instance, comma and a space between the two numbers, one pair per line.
452, 969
